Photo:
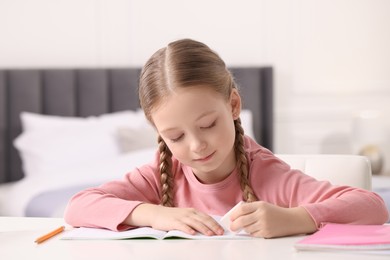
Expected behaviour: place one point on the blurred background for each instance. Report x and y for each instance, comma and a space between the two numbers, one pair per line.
331, 58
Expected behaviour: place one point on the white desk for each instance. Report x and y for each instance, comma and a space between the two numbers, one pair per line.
17, 237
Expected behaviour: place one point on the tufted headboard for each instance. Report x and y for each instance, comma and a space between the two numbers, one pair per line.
86, 92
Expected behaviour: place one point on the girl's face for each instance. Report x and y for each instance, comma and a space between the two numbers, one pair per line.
197, 125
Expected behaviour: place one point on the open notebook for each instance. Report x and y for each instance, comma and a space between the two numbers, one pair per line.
147, 232
140, 233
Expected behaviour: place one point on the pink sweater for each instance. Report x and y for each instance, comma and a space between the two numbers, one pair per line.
272, 180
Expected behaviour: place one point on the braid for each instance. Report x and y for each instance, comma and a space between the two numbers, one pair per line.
166, 174
242, 162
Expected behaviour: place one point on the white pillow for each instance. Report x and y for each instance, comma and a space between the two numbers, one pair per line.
130, 138
49, 143
52, 149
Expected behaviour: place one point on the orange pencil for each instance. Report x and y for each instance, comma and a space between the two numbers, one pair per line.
49, 235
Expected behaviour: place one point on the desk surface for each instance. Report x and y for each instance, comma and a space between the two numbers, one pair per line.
17, 237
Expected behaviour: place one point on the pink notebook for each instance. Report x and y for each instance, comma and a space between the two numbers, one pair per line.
347, 237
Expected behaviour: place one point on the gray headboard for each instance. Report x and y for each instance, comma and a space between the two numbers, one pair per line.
86, 92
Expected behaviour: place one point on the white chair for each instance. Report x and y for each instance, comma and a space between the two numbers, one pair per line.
351, 170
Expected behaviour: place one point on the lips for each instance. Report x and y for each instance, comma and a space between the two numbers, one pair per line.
206, 158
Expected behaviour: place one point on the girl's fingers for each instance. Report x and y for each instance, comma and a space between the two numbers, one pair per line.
204, 224
212, 225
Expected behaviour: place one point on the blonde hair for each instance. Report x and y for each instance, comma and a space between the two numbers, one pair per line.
187, 63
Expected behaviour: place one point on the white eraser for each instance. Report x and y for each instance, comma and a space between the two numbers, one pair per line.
225, 220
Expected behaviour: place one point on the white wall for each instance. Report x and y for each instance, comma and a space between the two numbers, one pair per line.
331, 57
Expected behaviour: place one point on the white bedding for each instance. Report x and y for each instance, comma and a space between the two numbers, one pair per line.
14, 197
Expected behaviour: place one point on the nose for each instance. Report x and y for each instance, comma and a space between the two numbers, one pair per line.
198, 144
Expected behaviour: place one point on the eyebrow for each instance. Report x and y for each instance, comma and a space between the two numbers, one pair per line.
206, 113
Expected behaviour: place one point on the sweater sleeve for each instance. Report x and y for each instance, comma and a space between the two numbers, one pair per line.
277, 183
348, 205
108, 205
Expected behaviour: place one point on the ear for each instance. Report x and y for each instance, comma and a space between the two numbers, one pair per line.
235, 103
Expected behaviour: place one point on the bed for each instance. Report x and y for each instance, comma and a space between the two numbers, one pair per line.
63, 130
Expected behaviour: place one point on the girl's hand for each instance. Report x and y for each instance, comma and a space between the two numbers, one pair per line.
187, 220
262, 219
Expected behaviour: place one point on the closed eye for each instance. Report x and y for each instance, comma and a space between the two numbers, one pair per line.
174, 140
210, 126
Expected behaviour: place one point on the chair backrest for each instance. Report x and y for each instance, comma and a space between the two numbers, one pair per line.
351, 170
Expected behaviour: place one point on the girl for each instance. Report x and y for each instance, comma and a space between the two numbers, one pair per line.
205, 164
